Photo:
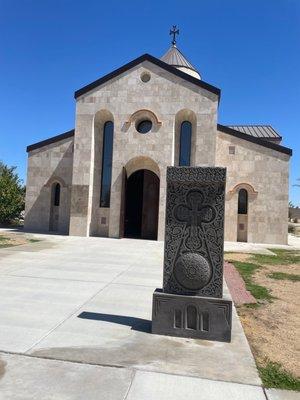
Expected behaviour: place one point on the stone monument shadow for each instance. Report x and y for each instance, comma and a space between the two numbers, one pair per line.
137, 324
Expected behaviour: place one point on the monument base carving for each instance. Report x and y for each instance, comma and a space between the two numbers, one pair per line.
191, 316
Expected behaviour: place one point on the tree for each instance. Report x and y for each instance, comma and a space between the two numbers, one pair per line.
12, 194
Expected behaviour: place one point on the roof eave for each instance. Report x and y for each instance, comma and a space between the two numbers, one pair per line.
259, 141
53, 139
154, 60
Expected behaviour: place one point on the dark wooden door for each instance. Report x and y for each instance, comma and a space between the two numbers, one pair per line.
123, 203
150, 205
141, 205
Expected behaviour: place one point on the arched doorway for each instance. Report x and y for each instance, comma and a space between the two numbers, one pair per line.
54, 208
242, 222
141, 205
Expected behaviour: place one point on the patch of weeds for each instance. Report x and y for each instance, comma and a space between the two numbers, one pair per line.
274, 376
3, 245
284, 276
34, 240
251, 305
5, 242
282, 257
247, 271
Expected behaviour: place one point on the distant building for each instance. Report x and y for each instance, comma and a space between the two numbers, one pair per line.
107, 176
294, 213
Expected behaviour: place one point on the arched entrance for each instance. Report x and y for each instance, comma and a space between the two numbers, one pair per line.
141, 205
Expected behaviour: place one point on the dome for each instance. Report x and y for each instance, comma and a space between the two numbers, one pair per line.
175, 58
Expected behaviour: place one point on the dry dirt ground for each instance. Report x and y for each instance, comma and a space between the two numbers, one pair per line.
8, 239
273, 329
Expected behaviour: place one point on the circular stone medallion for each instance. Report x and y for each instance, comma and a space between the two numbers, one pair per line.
192, 271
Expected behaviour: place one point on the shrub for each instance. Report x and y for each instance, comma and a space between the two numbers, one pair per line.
12, 194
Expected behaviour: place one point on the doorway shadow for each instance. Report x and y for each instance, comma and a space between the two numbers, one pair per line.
137, 324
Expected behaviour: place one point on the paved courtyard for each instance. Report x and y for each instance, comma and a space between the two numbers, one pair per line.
75, 318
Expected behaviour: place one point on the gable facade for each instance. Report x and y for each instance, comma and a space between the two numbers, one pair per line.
168, 99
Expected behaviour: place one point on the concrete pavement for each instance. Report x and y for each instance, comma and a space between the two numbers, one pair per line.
83, 306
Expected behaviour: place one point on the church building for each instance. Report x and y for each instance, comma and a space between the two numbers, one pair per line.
107, 177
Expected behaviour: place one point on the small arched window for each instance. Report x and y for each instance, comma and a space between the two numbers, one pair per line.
107, 152
56, 194
243, 202
185, 144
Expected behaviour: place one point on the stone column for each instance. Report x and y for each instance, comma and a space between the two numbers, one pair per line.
115, 200
82, 179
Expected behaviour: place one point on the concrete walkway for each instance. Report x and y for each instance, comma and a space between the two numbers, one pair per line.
74, 324
262, 248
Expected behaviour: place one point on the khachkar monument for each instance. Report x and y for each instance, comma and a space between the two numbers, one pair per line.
190, 303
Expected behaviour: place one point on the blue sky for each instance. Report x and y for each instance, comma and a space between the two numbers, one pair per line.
249, 49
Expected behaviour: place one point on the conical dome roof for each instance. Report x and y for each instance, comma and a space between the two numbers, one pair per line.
175, 58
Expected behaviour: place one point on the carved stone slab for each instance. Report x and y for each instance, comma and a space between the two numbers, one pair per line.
194, 235
191, 316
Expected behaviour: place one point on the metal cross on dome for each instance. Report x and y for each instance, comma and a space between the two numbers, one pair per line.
174, 31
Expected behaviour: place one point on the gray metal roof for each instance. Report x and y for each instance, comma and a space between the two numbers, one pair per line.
174, 57
259, 131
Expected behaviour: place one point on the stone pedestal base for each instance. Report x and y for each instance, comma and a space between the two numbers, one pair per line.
191, 316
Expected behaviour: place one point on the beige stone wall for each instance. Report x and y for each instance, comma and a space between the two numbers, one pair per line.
267, 171
46, 165
164, 95
167, 100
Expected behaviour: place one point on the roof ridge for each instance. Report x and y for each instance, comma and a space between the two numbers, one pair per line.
153, 60
51, 140
249, 125
254, 139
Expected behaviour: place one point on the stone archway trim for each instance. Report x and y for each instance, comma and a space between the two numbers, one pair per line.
141, 162
142, 114
250, 189
54, 179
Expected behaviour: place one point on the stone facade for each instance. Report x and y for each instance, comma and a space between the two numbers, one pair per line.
265, 174
167, 99
47, 166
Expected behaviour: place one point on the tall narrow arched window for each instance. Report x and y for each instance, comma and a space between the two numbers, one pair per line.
107, 151
56, 196
243, 202
185, 144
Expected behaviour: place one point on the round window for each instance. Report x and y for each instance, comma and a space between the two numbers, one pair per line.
144, 126
145, 77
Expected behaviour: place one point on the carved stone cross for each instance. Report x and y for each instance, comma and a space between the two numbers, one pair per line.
190, 303
194, 213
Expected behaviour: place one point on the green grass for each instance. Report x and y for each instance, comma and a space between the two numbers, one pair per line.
282, 257
284, 276
247, 270
274, 376
3, 238
34, 240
